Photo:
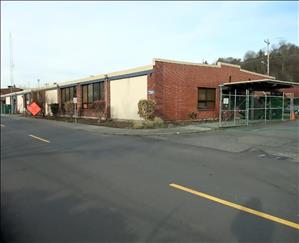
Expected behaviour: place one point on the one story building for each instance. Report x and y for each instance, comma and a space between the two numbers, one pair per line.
178, 88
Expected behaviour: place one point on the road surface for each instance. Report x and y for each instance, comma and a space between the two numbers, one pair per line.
60, 184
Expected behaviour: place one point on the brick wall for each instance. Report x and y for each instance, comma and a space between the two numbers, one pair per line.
176, 87
294, 91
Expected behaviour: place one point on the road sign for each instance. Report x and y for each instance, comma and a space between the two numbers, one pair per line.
33, 108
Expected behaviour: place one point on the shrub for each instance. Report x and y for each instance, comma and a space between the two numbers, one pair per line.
69, 108
54, 109
192, 115
146, 109
137, 124
148, 124
158, 122
100, 108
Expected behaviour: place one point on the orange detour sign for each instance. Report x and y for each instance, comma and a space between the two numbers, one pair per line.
293, 116
33, 108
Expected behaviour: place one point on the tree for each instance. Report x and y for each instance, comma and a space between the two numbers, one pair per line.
231, 60
69, 108
100, 108
284, 61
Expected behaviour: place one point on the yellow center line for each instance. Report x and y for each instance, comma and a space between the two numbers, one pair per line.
41, 139
237, 206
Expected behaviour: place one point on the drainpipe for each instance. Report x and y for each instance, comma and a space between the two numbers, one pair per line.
107, 100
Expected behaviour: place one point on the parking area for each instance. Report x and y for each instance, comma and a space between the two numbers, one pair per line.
64, 184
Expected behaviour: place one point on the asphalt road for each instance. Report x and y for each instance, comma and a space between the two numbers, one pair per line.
77, 185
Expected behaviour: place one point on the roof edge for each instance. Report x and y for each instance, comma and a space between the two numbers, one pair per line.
111, 74
262, 80
218, 65
184, 63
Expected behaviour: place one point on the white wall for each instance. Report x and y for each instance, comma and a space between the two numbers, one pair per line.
7, 100
125, 94
50, 98
20, 104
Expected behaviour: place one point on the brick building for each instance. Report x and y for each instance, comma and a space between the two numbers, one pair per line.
181, 88
178, 88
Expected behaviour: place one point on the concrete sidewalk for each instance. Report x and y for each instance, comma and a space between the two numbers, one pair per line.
126, 131
135, 132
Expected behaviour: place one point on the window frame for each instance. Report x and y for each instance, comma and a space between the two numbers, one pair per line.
72, 92
98, 93
206, 100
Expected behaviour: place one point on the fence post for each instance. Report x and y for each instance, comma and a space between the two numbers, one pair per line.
247, 107
270, 108
282, 108
235, 107
265, 107
220, 106
251, 106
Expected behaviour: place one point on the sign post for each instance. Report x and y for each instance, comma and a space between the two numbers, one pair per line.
75, 107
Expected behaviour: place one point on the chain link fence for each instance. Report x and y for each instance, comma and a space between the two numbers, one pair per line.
244, 109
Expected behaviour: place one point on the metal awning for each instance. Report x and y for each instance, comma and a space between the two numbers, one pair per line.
259, 85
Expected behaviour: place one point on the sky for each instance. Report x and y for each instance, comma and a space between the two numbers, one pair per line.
59, 41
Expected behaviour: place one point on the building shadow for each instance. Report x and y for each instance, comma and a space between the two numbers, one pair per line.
29, 216
251, 228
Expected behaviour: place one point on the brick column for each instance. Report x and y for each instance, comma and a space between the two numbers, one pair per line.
107, 96
79, 98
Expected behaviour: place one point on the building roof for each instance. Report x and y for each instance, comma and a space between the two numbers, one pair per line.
218, 65
142, 70
8, 90
261, 84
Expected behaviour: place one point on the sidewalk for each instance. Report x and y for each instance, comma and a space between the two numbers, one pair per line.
136, 132
194, 128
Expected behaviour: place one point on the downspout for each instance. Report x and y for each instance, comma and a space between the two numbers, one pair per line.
107, 100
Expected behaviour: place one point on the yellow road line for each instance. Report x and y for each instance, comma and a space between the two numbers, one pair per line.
237, 206
41, 139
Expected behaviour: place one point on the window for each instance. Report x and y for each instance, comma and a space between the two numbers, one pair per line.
206, 98
67, 94
91, 93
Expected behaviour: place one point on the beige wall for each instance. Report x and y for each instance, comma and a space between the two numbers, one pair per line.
125, 94
7, 100
20, 104
50, 98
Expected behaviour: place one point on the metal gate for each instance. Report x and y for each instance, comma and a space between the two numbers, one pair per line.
243, 108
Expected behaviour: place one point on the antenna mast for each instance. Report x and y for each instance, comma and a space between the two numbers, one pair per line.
268, 53
11, 66
11, 60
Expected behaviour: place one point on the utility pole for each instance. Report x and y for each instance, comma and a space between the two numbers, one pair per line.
268, 53
11, 66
